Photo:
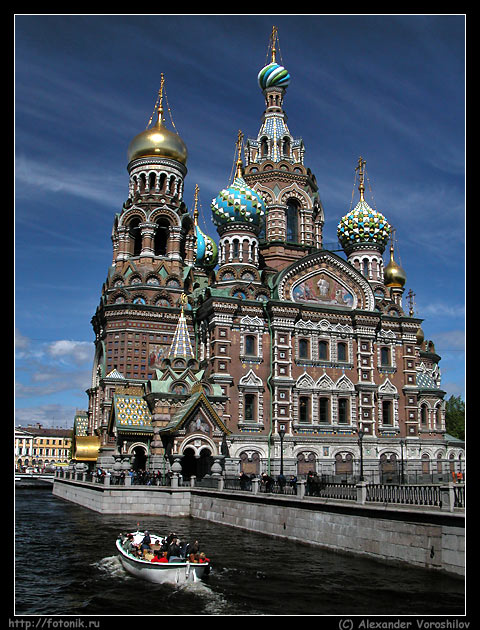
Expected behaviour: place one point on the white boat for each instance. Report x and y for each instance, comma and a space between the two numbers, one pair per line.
159, 572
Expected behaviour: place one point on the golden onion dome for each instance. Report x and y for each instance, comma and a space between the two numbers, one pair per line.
158, 141
393, 274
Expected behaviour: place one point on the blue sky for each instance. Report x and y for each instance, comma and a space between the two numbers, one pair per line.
388, 87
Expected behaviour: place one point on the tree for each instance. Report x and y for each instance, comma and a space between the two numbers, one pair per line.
455, 417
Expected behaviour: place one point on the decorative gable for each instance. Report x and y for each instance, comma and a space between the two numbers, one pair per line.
325, 279
305, 381
387, 388
250, 380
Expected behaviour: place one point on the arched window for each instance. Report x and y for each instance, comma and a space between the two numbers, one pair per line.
439, 464
135, 236
342, 411
304, 409
151, 181
343, 465
425, 464
264, 147
323, 411
292, 221
163, 179
365, 267
249, 407
303, 348
385, 356
236, 248
342, 351
250, 345
323, 350
161, 237
387, 415
423, 415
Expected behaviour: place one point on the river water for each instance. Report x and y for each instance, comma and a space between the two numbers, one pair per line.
66, 564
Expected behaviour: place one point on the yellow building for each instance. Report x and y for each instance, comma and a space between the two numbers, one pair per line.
37, 447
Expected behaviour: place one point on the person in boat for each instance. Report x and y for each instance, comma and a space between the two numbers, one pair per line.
192, 548
129, 545
148, 555
202, 558
160, 556
173, 553
170, 537
145, 544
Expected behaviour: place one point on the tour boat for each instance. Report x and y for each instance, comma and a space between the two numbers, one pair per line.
159, 572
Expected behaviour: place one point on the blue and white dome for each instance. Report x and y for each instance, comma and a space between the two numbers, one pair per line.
206, 254
238, 203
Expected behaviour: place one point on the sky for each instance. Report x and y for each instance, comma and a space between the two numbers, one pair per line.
389, 88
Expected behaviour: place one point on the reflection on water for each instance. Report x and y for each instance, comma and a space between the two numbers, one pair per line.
66, 564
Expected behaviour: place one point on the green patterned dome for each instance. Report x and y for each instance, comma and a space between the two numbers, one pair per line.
238, 203
363, 225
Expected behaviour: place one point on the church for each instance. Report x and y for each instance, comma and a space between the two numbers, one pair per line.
260, 350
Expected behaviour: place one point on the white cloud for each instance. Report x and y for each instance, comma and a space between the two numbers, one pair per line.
50, 415
441, 309
21, 341
53, 178
79, 351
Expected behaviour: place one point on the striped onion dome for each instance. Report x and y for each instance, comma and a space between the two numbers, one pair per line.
273, 75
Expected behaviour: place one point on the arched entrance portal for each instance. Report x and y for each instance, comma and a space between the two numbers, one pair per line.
140, 458
198, 465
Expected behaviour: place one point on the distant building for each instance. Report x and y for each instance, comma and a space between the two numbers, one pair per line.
37, 446
23, 448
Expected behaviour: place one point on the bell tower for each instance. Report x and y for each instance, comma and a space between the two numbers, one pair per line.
153, 239
275, 169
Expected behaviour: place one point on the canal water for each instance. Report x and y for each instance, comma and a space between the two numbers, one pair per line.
66, 564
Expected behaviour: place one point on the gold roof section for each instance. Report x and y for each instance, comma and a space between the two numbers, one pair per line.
86, 448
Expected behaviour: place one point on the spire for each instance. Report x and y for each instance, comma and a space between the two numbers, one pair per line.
274, 38
195, 208
239, 165
411, 301
361, 176
181, 346
158, 107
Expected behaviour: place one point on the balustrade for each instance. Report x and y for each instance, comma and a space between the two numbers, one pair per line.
445, 497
